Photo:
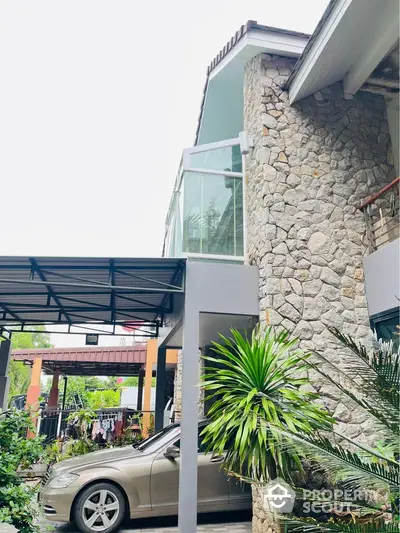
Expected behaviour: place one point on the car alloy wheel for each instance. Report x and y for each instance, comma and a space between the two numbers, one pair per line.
100, 510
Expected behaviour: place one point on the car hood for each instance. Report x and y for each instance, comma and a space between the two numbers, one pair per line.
94, 458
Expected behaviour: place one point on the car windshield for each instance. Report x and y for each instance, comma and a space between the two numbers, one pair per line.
159, 439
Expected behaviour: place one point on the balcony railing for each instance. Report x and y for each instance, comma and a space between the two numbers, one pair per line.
381, 213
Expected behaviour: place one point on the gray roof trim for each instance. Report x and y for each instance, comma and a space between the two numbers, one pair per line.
243, 30
250, 25
311, 42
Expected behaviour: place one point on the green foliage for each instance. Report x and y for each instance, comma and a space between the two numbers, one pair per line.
368, 379
17, 452
81, 386
127, 438
81, 446
258, 381
19, 373
52, 453
313, 526
39, 339
110, 382
82, 419
133, 381
103, 398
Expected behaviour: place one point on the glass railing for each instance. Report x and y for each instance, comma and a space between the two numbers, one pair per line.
205, 218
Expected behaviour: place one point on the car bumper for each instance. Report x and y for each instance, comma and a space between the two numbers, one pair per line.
57, 503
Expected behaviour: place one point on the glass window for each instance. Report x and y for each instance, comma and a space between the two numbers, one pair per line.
201, 447
158, 440
228, 158
212, 214
386, 326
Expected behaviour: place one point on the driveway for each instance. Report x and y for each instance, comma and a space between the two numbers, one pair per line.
210, 523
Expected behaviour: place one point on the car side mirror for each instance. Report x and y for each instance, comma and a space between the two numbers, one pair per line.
172, 452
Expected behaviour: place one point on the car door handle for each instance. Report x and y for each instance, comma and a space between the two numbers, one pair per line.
217, 459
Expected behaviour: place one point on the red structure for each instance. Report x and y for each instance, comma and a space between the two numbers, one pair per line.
87, 361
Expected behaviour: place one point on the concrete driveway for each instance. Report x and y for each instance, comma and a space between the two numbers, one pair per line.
210, 523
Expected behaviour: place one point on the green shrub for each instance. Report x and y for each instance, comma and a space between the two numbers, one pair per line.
100, 399
17, 453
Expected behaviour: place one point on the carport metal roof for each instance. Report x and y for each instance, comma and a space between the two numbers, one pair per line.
87, 293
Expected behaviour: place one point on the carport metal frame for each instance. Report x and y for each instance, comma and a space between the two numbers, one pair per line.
71, 296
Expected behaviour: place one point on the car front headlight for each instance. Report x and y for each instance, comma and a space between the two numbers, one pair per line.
63, 481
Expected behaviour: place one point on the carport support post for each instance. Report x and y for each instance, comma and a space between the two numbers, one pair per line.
5, 356
53, 397
140, 390
187, 520
160, 388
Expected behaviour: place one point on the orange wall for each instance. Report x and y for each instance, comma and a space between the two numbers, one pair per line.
151, 359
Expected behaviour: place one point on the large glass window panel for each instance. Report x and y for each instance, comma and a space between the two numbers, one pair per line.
228, 158
212, 214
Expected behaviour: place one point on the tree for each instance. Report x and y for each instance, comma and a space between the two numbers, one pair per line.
19, 373
80, 386
101, 399
257, 381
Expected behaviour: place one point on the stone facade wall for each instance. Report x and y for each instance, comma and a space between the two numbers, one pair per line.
263, 520
178, 387
312, 165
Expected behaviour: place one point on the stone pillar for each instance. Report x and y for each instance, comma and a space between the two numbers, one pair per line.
178, 387
313, 163
5, 356
53, 396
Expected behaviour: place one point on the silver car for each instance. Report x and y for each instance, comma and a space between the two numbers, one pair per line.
97, 490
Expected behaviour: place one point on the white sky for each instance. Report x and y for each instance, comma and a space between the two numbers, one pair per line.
97, 100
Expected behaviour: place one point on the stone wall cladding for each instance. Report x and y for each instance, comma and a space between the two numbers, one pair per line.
312, 165
178, 387
263, 521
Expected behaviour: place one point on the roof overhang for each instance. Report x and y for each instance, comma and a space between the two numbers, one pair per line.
221, 115
351, 40
89, 292
88, 361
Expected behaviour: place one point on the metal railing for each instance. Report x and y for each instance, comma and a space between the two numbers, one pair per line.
52, 423
381, 215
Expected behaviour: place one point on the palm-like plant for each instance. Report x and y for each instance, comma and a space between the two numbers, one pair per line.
267, 422
371, 380
257, 388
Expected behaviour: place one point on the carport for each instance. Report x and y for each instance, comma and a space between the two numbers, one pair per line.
186, 304
86, 296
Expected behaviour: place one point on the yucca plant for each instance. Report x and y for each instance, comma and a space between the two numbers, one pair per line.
258, 387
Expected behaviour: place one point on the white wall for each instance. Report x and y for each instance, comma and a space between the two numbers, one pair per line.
382, 283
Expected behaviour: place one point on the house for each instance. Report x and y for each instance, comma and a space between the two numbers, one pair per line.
294, 169
312, 125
